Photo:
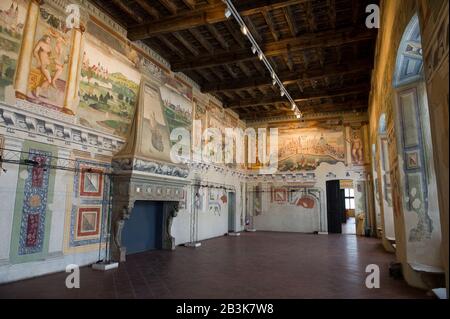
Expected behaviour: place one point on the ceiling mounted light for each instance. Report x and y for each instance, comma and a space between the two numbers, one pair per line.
227, 13
274, 82
282, 93
254, 49
260, 56
294, 106
244, 30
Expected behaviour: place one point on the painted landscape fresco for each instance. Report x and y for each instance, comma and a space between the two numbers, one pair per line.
51, 54
306, 149
177, 104
108, 88
12, 20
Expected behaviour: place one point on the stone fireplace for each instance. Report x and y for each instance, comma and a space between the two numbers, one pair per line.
137, 180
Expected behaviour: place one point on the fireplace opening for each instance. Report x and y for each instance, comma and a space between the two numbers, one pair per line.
143, 231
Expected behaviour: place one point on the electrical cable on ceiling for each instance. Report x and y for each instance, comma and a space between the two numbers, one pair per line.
232, 11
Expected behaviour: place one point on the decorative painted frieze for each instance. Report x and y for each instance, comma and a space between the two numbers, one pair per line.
36, 121
146, 166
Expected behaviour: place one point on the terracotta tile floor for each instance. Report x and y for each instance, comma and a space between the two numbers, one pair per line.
254, 265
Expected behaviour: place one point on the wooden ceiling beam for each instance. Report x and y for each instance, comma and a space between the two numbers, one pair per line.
197, 16
310, 17
268, 18
317, 108
277, 48
132, 14
332, 12
253, 30
171, 46
235, 33
148, 8
317, 94
289, 16
289, 78
201, 39
170, 6
216, 35
186, 43
190, 4
244, 69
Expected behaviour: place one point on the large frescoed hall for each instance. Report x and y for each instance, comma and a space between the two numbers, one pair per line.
224, 149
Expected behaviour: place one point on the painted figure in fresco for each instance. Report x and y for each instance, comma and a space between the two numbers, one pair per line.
59, 58
50, 60
42, 52
357, 148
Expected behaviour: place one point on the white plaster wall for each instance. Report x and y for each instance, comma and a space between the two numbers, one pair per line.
58, 206
8, 185
292, 218
288, 218
209, 225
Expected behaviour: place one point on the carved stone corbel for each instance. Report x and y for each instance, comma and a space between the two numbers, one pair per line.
170, 211
120, 215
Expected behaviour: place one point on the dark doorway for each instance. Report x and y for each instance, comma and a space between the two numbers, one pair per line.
335, 207
143, 231
231, 212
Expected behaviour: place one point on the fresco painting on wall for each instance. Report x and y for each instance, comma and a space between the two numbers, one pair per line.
88, 214
51, 53
157, 145
32, 216
177, 104
108, 88
215, 120
279, 195
306, 149
357, 146
88, 223
299, 197
200, 116
12, 19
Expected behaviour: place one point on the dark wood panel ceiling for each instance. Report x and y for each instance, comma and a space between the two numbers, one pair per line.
320, 49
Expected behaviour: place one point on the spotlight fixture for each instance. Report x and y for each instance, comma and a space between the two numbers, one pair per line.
232, 11
260, 56
227, 13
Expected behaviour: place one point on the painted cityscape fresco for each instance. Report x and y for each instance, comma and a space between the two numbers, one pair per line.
306, 149
108, 88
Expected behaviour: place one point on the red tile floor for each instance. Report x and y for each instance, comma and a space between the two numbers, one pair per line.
254, 265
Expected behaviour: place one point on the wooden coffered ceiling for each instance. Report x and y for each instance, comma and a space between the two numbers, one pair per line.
320, 49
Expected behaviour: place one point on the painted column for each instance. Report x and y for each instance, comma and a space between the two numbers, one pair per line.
74, 67
348, 145
26, 52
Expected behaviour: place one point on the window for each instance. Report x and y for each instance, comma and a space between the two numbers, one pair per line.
349, 198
